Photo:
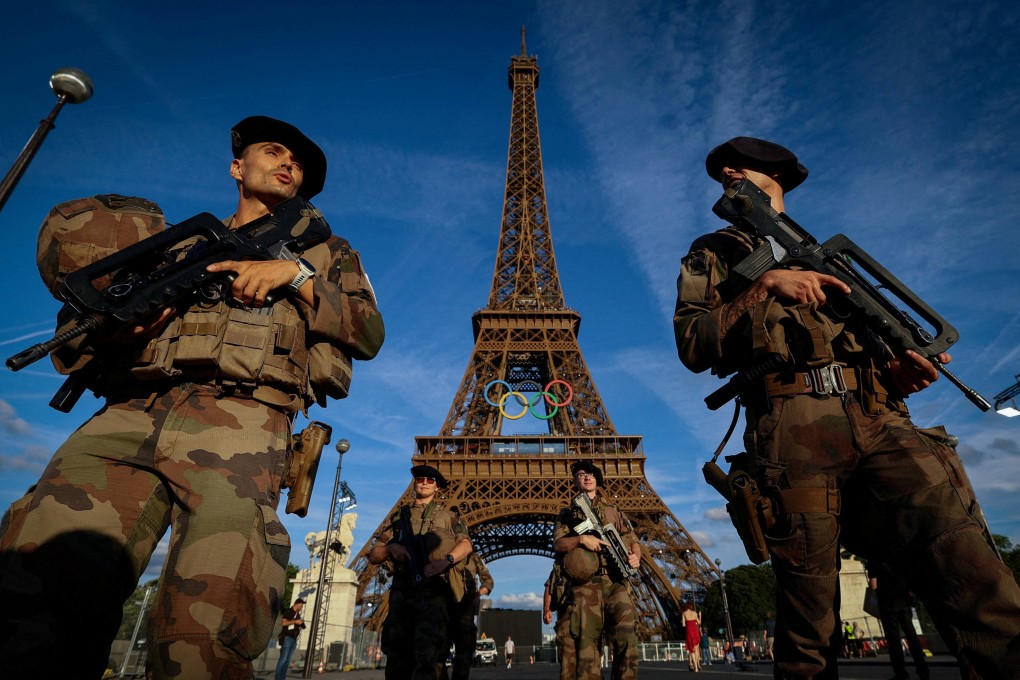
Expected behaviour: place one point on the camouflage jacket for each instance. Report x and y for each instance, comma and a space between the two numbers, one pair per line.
807, 333
345, 317
474, 567
607, 513
438, 529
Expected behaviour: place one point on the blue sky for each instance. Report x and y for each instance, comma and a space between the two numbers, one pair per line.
906, 113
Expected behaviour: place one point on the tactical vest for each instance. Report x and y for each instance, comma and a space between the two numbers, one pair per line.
261, 351
437, 527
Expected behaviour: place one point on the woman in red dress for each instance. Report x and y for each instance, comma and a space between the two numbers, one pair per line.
692, 626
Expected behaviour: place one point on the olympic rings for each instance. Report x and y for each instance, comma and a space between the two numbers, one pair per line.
529, 404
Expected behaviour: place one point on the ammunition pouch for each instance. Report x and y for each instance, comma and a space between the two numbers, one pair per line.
329, 372
560, 589
800, 333
220, 342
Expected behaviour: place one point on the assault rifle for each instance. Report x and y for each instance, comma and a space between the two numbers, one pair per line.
153, 274
615, 549
416, 555
746, 206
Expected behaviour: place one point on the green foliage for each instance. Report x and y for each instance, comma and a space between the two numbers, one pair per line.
751, 593
1010, 554
288, 592
132, 609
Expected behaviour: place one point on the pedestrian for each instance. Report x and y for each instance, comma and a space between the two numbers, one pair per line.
291, 625
706, 647
602, 597
859, 641
768, 634
508, 651
829, 440
894, 607
691, 619
421, 546
193, 437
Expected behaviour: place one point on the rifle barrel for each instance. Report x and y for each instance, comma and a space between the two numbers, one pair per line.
970, 393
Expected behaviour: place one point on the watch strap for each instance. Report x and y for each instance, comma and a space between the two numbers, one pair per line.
305, 272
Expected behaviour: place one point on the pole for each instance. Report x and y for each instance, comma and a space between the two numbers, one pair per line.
342, 447
134, 635
725, 606
71, 86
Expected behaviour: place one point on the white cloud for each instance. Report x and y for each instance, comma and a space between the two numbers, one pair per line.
10, 422
520, 601
717, 514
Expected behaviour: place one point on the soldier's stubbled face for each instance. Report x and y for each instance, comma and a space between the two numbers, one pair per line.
268, 171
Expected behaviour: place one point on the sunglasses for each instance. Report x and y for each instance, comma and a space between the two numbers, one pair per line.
425, 480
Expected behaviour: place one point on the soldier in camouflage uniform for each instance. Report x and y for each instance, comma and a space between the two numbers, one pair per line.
557, 598
463, 629
830, 442
602, 598
422, 546
188, 439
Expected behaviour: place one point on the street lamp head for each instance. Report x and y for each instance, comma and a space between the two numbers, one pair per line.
343, 446
72, 84
718, 562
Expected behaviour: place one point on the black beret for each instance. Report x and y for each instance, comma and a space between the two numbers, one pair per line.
757, 154
587, 466
255, 129
429, 471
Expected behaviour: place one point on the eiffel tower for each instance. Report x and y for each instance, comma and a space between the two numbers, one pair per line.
509, 488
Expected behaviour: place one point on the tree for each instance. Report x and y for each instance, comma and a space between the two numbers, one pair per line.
132, 608
751, 593
1010, 554
292, 572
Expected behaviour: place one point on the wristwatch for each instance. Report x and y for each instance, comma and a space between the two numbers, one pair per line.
449, 558
305, 272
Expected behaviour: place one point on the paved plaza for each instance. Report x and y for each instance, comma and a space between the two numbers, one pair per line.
942, 668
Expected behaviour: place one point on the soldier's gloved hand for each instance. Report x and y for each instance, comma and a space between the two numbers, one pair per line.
398, 552
436, 567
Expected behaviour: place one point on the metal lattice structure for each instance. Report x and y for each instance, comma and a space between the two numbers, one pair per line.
509, 489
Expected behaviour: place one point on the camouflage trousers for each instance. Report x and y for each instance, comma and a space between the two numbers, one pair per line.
416, 634
75, 546
565, 647
603, 610
464, 632
905, 500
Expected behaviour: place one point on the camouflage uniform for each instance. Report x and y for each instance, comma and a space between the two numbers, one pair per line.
416, 634
881, 486
559, 587
177, 445
602, 605
464, 630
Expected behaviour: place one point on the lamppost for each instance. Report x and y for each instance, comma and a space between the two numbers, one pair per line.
725, 603
1005, 401
342, 447
71, 87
